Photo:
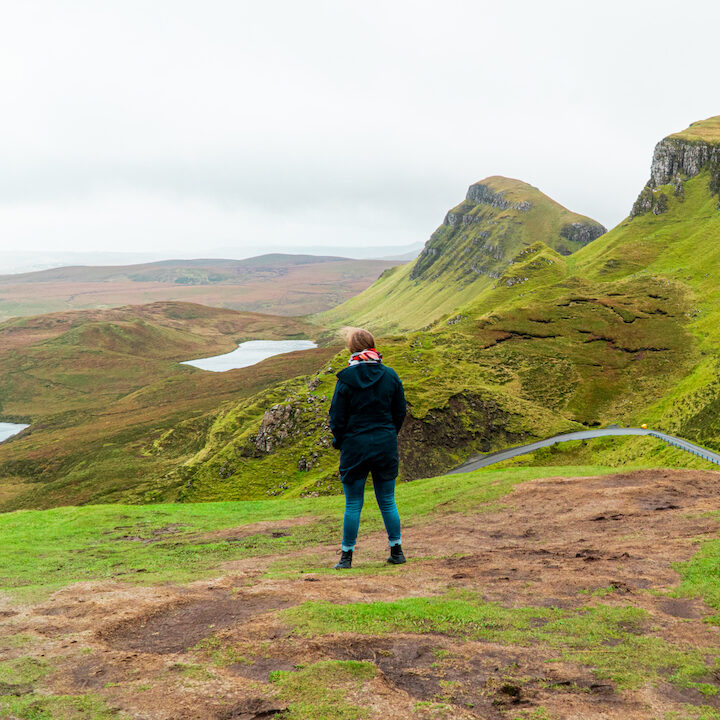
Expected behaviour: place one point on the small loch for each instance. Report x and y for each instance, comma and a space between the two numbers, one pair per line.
7, 430
250, 353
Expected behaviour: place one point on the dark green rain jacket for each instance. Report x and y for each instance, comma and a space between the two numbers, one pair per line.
366, 414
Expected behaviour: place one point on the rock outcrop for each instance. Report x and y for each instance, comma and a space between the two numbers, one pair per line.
279, 424
674, 157
582, 233
482, 194
650, 200
678, 158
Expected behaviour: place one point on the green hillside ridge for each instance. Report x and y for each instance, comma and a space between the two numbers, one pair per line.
624, 330
465, 255
706, 131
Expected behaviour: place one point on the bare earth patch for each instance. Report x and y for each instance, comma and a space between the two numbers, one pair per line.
206, 650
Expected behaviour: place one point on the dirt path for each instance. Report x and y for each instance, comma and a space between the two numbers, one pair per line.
554, 543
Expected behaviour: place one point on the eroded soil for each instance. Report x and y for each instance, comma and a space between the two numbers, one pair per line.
206, 650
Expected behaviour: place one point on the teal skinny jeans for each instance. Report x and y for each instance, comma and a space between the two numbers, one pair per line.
354, 490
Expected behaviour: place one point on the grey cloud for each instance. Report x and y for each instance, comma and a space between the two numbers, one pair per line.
185, 123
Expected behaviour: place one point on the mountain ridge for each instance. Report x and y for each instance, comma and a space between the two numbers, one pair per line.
466, 254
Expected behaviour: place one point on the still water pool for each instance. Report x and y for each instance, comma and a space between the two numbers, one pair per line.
7, 430
250, 353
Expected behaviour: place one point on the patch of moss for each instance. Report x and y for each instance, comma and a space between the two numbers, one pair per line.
320, 691
701, 576
694, 712
221, 654
23, 671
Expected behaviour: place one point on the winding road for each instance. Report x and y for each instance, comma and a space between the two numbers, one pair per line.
480, 461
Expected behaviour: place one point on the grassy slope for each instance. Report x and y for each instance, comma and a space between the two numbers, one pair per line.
99, 387
460, 260
679, 249
528, 360
679, 252
704, 130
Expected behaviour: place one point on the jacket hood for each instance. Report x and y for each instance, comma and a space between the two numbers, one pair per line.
362, 375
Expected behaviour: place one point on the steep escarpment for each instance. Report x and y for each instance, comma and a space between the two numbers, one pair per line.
676, 159
466, 255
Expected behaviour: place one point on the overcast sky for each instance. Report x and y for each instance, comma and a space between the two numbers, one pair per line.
185, 127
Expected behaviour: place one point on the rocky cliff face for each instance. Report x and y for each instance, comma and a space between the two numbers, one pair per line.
675, 160
582, 233
482, 194
674, 157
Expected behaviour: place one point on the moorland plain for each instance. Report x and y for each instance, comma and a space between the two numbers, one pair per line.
275, 284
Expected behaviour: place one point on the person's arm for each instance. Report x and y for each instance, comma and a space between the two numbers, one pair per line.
338, 414
399, 406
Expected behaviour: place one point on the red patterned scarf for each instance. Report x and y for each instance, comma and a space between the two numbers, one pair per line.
370, 355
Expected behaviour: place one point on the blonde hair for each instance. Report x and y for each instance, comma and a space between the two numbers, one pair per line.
358, 339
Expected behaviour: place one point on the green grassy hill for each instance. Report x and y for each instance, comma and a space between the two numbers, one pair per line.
467, 254
100, 387
624, 330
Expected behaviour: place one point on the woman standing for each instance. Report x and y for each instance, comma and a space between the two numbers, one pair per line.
366, 414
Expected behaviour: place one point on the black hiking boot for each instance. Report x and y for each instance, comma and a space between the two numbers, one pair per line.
396, 555
345, 560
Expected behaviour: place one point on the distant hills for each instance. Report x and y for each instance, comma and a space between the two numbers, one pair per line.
26, 261
275, 283
183, 272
